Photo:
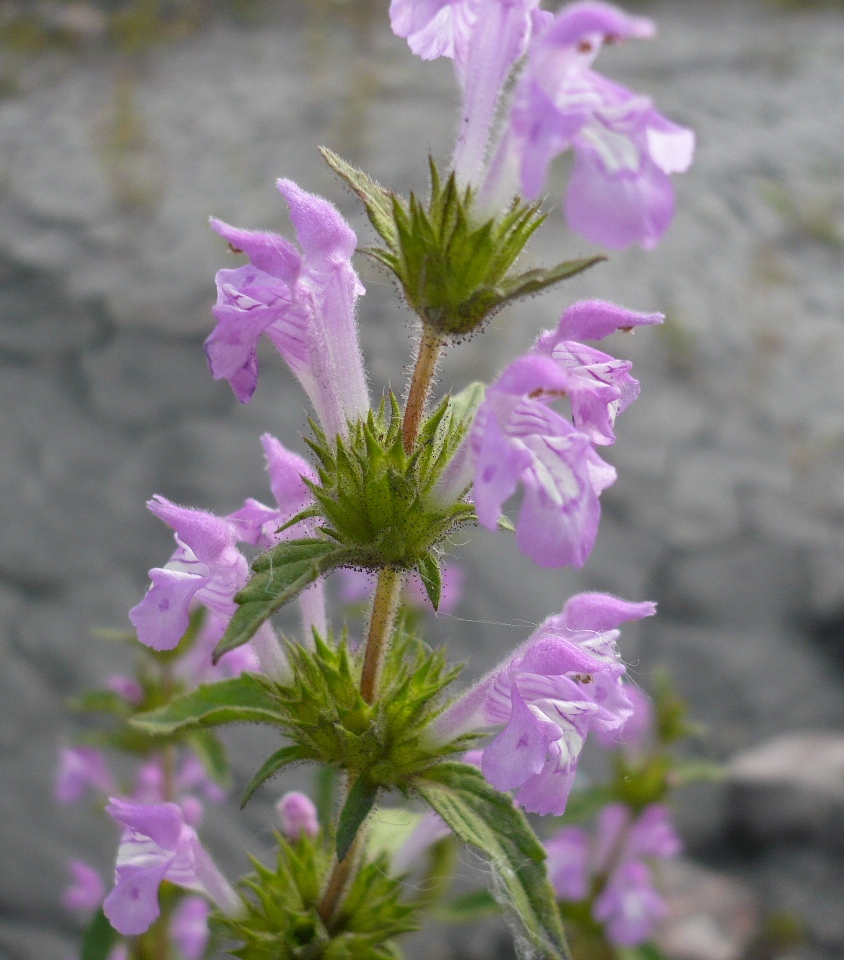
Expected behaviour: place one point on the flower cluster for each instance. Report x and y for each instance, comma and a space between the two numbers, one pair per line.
303, 302
564, 681
518, 439
627, 904
381, 500
159, 843
625, 150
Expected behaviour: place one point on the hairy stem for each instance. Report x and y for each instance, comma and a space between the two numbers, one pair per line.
338, 881
384, 605
420, 386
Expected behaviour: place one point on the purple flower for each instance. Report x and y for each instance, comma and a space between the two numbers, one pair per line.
518, 440
564, 681
156, 845
190, 776
633, 734
568, 863
189, 927
297, 815
127, 688
206, 568
303, 302
485, 38
196, 665
599, 386
80, 769
86, 891
620, 191
629, 905
259, 525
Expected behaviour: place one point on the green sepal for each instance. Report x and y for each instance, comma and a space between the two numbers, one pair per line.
280, 575
98, 939
356, 809
243, 699
488, 820
431, 577
535, 281
455, 267
377, 502
322, 710
212, 755
280, 919
270, 767
373, 196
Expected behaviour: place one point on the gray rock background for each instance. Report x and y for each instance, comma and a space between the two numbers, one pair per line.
729, 509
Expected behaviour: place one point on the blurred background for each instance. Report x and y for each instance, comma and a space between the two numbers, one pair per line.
124, 124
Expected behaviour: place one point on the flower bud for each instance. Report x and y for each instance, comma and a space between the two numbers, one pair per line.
298, 816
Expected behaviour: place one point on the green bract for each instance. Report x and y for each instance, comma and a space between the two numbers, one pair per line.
375, 500
374, 508
321, 710
281, 920
455, 266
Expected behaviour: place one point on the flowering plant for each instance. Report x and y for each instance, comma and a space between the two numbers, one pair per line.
386, 488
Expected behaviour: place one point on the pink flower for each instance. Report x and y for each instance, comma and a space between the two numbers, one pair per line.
564, 681
81, 769
620, 190
303, 302
518, 440
259, 525
207, 568
87, 890
156, 845
189, 927
127, 688
599, 386
629, 905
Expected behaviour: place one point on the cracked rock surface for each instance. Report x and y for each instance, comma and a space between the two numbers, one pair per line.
729, 509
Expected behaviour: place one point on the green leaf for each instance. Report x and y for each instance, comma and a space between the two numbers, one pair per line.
644, 951
212, 755
374, 197
242, 699
535, 281
98, 939
101, 701
355, 810
280, 575
431, 576
488, 820
468, 907
270, 768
